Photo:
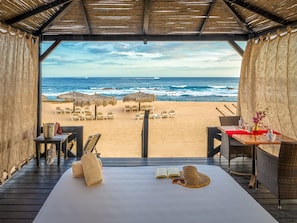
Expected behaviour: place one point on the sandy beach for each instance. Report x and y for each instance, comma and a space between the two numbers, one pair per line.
182, 136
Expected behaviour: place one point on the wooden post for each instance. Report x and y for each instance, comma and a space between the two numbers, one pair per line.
39, 93
145, 134
212, 133
78, 130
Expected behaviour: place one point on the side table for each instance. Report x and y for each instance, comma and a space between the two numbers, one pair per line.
58, 140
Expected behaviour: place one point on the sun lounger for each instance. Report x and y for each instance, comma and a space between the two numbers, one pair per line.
67, 110
147, 107
171, 114
75, 117
154, 116
127, 108
134, 108
142, 107
150, 108
110, 115
164, 114
89, 116
99, 116
59, 110
91, 143
139, 116
77, 109
87, 109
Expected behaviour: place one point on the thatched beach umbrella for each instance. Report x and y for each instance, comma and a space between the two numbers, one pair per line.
71, 96
140, 97
95, 99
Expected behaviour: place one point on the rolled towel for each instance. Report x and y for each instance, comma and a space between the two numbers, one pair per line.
77, 170
91, 168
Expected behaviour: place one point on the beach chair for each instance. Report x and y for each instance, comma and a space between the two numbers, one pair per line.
89, 116
139, 116
75, 117
87, 109
164, 114
59, 110
77, 109
134, 108
67, 110
172, 114
127, 108
110, 115
143, 107
91, 143
150, 108
99, 116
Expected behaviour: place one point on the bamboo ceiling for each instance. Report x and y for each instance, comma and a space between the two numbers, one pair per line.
148, 19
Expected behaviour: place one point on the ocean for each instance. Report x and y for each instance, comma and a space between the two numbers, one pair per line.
223, 89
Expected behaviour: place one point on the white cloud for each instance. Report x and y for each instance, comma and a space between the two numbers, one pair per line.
136, 58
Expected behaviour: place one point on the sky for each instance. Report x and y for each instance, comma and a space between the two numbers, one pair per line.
136, 59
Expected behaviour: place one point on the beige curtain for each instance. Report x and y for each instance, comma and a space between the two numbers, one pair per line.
18, 98
268, 79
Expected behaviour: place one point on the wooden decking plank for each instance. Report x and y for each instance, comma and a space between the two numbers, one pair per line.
27, 201
48, 184
17, 215
19, 208
29, 220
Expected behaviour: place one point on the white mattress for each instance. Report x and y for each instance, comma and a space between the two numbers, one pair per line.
133, 195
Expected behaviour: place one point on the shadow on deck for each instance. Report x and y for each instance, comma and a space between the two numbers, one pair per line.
22, 196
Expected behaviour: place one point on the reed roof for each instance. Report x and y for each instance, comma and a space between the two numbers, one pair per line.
148, 19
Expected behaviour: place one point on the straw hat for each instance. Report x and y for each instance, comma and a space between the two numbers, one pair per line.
190, 177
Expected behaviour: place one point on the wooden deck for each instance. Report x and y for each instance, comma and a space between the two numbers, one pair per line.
22, 196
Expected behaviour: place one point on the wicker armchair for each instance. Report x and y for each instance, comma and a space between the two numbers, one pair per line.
279, 173
229, 120
231, 148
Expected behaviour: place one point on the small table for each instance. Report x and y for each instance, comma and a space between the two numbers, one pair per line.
254, 139
58, 140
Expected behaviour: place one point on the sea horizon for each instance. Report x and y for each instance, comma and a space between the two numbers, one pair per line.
203, 89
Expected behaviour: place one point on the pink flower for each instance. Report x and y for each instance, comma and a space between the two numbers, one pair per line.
260, 115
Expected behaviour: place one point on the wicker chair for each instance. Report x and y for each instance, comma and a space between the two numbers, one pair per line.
231, 148
279, 173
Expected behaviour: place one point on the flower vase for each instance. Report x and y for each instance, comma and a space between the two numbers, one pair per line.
256, 127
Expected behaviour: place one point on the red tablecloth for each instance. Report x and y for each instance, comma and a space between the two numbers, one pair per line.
245, 132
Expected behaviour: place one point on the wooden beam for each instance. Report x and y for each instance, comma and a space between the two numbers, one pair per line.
36, 11
49, 50
212, 134
275, 29
50, 21
202, 37
259, 11
146, 16
236, 47
85, 16
210, 8
66, 8
238, 17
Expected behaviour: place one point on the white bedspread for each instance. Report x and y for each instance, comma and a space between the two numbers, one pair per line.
133, 195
